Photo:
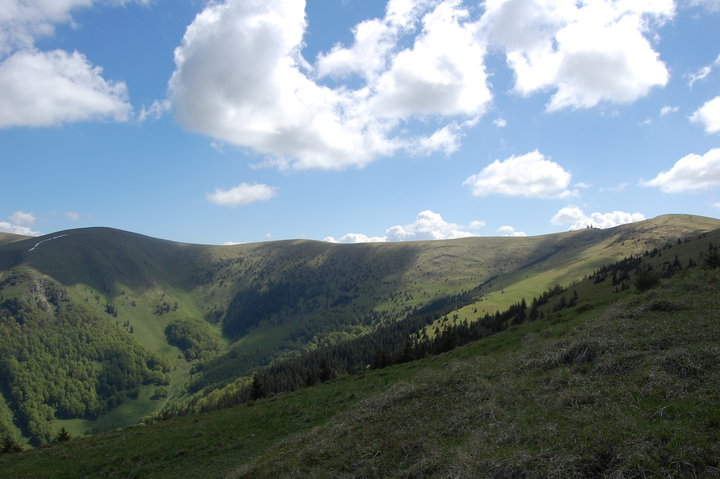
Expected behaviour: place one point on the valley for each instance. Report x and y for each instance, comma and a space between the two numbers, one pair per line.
196, 324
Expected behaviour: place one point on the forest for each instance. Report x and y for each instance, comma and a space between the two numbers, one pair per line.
62, 360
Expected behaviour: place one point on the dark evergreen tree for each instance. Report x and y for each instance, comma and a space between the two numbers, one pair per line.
646, 279
257, 389
10, 445
712, 261
63, 435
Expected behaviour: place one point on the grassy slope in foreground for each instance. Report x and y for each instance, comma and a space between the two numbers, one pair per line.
623, 385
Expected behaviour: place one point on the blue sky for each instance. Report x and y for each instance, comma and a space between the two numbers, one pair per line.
356, 120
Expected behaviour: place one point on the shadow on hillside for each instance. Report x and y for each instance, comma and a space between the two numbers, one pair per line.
310, 289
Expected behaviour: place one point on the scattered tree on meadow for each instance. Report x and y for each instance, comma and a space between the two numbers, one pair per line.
10, 445
646, 278
63, 435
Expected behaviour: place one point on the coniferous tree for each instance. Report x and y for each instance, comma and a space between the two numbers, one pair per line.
10, 445
713, 259
646, 279
257, 389
63, 435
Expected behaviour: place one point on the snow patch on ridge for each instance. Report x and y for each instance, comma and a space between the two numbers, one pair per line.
44, 241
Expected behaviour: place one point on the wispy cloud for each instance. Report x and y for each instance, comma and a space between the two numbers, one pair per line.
703, 72
667, 109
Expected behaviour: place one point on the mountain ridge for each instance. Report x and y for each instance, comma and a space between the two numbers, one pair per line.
255, 303
621, 381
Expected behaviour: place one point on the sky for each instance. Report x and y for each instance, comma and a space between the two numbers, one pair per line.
239, 121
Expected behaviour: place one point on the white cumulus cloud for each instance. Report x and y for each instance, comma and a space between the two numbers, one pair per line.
240, 78
587, 51
20, 223
43, 88
23, 218
428, 225
243, 194
507, 230
50, 88
708, 115
22, 21
690, 173
529, 175
577, 219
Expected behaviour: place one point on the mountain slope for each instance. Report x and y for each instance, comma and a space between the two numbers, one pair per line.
10, 238
620, 385
243, 306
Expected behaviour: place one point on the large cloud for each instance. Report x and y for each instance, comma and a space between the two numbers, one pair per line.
240, 77
587, 52
441, 74
577, 219
49, 88
529, 175
427, 226
709, 115
690, 173
53, 87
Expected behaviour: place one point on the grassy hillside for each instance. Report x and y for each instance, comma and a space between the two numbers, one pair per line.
10, 238
622, 384
216, 313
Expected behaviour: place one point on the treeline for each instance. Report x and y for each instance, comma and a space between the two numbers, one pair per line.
60, 360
